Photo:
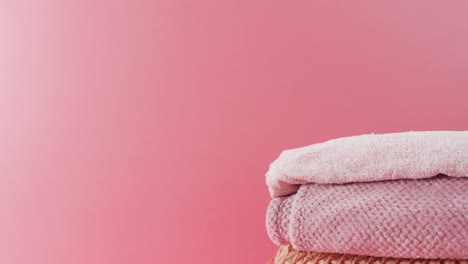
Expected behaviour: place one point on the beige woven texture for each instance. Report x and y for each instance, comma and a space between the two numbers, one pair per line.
288, 255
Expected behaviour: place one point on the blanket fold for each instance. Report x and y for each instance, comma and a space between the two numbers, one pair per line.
401, 218
288, 255
400, 195
373, 157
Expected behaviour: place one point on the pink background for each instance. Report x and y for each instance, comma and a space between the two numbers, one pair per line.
140, 131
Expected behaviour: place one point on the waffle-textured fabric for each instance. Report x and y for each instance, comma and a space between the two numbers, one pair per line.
374, 157
406, 218
288, 255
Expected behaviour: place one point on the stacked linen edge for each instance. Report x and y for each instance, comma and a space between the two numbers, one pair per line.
377, 198
287, 255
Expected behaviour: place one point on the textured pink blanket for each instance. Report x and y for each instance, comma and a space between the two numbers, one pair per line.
376, 195
401, 218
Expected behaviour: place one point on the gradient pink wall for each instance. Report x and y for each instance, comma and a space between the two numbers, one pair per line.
140, 131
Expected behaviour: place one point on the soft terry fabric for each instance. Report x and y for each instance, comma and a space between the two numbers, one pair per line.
407, 218
409, 155
288, 255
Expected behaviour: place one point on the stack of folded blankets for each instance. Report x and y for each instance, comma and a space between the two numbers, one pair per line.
387, 198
